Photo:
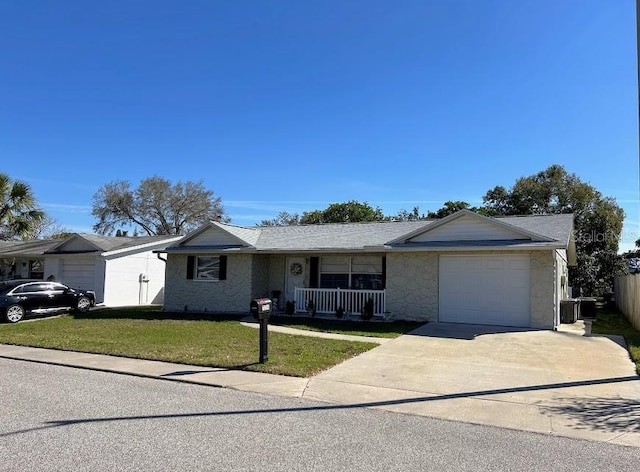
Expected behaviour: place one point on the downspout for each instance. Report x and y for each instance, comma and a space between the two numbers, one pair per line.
158, 255
556, 298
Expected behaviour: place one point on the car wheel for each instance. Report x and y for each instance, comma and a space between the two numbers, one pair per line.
83, 304
14, 313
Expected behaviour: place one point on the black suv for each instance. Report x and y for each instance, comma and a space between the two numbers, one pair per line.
19, 297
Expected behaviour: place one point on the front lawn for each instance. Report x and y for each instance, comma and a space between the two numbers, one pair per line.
611, 321
148, 333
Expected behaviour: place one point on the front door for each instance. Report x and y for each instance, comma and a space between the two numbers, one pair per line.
295, 272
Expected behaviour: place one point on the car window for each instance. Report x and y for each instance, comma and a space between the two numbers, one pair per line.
33, 288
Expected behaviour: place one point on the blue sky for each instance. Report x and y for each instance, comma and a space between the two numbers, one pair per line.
293, 105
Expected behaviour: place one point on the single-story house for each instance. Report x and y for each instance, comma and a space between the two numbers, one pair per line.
465, 268
24, 259
121, 270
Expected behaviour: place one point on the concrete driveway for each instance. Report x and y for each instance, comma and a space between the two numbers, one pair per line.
562, 383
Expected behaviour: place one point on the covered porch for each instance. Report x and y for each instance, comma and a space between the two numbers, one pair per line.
329, 300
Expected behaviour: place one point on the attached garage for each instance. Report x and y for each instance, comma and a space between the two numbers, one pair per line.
485, 289
79, 272
120, 270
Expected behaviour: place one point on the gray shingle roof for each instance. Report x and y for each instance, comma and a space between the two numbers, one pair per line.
250, 235
359, 236
103, 243
26, 248
556, 227
113, 243
334, 236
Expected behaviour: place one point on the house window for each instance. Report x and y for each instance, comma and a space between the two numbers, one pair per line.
36, 269
334, 272
210, 268
357, 272
207, 268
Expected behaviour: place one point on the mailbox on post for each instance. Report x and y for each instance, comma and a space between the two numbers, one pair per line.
260, 309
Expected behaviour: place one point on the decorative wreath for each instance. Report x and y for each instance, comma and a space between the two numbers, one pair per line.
296, 268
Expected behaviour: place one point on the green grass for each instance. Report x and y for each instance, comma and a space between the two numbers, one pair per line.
610, 321
148, 333
355, 328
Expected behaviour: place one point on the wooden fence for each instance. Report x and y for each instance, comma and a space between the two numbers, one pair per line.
627, 288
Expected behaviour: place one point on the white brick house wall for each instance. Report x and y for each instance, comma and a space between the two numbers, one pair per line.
232, 295
412, 286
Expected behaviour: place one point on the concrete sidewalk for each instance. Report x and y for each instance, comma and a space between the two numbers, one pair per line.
238, 379
560, 383
251, 323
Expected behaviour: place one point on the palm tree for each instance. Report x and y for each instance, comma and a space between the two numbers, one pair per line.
19, 215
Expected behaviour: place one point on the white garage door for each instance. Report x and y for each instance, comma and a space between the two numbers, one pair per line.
79, 273
492, 290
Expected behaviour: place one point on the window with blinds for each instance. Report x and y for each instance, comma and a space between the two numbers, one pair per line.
354, 272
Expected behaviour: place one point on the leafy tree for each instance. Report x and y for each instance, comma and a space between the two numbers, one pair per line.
404, 215
348, 212
597, 220
283, 219
449, 208
19, 214
156, 206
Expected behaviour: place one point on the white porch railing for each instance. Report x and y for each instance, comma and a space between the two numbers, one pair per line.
327, 300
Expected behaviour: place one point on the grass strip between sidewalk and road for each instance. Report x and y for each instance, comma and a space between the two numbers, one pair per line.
204, 341
611, 321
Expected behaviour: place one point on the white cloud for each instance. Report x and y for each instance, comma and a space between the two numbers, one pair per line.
65, 208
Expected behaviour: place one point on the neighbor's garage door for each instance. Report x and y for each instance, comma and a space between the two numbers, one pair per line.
79, 273
493, 290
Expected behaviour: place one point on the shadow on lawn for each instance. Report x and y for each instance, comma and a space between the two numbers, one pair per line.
154, 313
346, 326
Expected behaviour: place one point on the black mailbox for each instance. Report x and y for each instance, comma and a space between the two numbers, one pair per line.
260, 308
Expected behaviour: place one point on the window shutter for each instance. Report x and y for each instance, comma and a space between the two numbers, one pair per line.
190, 263
223, 268
313, 272
384, 272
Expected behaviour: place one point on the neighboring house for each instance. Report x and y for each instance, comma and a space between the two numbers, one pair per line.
465, 268
24, 259
121, 270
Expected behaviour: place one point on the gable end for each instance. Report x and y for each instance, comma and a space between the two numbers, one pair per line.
213, 236
468, 228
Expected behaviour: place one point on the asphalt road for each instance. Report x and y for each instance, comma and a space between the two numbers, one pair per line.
57, 418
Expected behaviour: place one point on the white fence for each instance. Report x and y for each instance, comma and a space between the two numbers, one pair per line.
328, 300
627, 289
